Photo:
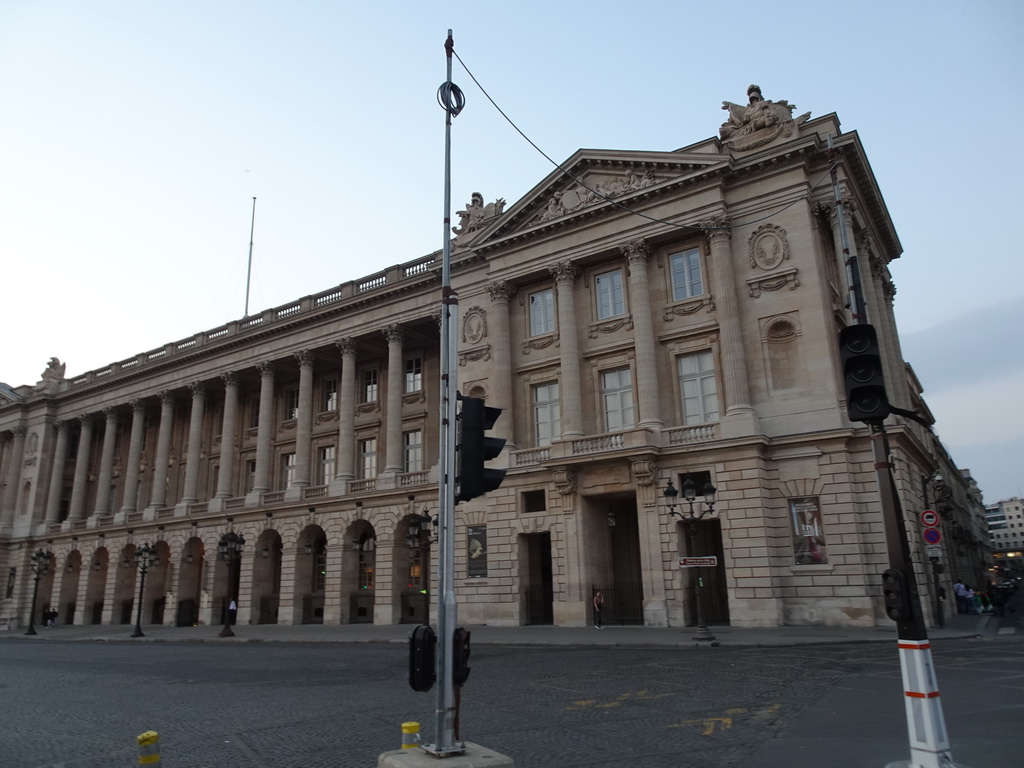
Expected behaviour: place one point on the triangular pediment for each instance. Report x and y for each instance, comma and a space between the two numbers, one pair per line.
593, 181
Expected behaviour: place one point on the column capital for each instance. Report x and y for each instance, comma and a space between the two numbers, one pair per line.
393, 333
110, 412
717, 228
305, 358
197, 388
230, 379
21, 430
346, 346
266, 368
85, 419
636, 251
166, 398
60, 425
564, 272
501, 291
138, 405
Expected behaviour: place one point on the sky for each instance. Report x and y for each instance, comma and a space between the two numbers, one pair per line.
134, 137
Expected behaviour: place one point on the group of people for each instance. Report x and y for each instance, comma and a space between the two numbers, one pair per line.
970, 601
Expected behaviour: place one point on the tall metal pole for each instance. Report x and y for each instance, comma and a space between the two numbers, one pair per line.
444, 720
926, 727
143, 568
248, 271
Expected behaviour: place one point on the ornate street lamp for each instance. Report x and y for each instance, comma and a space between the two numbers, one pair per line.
41, 562
145, 558
690, 518
230, 550
417, 525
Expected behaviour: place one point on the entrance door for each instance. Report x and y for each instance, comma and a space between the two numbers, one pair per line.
624, 596
706, 539
538, 586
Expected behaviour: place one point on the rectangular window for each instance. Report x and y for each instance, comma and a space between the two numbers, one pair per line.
369, 389
542, 312
287, 471
291, 403
368, 458
547, 420
250, 475
413, 445
326, 461
329, 395
699, 388
413, 374
617, 393
254, 412
808, 532
686, 277
610, 300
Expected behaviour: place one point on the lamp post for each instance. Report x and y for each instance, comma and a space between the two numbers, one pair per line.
230, 550
145, 558
41, 562
690, 519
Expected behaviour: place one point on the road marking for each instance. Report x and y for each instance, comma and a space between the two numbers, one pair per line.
633, 696
724, 722
1007, 630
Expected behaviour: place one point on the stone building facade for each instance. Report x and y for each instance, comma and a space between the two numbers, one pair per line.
646, 317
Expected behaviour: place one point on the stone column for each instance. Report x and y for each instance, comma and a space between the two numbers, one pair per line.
637, 254
225, 477
158, 498
393, 463
569, 387
13, 476
60, 458
265, 429
304, 423
347, 410
195, 443
501, 352
131, 470
738, 417
77, 511
106, 463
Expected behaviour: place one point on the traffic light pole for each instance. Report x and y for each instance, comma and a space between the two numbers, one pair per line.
867, 402
447, 615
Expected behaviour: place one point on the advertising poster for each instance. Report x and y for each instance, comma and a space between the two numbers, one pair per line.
477, 552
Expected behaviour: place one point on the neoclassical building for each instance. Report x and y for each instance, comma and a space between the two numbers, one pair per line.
647, 317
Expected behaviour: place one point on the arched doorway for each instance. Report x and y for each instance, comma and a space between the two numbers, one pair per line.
190, 572
124, 586
411, 571
69, 587
311, 574
96, 586
358, 574
155, 599
266, 577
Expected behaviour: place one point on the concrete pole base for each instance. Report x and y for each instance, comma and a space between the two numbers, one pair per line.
475, 756
908, 764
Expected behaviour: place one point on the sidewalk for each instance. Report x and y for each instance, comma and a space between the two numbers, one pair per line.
674, 637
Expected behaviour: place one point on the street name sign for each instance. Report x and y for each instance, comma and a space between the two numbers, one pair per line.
698, 562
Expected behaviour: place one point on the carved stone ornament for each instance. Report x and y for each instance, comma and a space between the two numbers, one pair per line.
474, 325
565, 481
476, 214
473, 355
758, 122
685, 308
594, 187
768, 247
773, 282
644, 471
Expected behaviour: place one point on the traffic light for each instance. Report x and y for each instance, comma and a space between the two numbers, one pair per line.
473, 449
862, 374
460, 656
422, 649
896, 594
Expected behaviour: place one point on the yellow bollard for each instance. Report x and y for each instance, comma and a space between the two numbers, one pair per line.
410, 735
149, 748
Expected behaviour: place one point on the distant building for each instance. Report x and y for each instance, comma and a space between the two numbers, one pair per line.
1006, 533
647, 318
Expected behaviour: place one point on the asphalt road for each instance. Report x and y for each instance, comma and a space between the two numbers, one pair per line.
256, 705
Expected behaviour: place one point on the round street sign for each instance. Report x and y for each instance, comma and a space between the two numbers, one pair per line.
932, 535
929, 518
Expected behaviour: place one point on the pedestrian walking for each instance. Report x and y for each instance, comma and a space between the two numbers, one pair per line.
961, 597
598, 608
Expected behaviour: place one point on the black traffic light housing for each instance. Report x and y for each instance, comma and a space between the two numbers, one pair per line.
896, 592
422, 662
473, 449
866, 399
460, 656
